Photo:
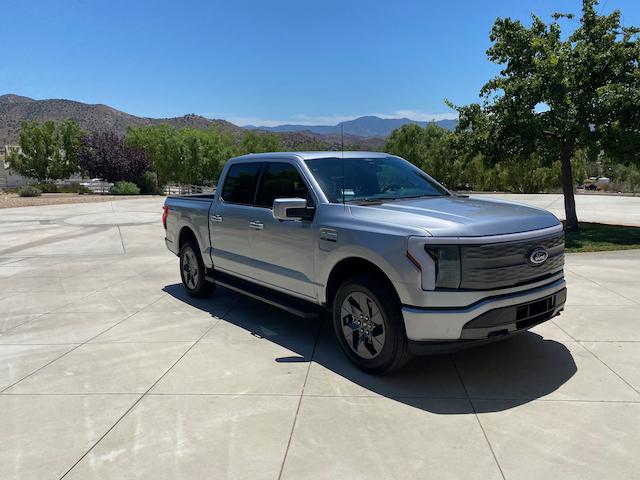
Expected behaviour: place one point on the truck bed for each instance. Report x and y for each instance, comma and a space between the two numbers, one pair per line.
194, 196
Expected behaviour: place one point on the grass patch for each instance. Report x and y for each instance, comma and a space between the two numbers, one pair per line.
597, 237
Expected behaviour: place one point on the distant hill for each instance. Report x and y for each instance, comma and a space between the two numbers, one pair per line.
368, 126
15, 109
11, 98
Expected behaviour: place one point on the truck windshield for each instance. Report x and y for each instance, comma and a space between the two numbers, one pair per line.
372, 179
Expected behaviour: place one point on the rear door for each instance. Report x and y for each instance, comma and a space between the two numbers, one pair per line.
282, 250
229, 219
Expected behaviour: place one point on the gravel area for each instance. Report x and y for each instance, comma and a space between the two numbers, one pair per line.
12, 200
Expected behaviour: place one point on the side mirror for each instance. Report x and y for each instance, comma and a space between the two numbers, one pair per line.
289, 208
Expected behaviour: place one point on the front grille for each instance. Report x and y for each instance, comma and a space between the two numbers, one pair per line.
500, 265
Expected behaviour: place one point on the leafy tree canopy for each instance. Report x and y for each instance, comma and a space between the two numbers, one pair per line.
429, 148
48, 151
188, 155
106, 155
253, 142
558, 93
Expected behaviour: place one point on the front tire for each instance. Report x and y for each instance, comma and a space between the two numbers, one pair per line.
193, 271
367, 320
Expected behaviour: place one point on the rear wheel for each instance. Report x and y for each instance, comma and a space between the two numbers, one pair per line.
193, 271
367, 321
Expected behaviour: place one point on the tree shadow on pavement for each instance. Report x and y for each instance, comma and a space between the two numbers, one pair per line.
509, 373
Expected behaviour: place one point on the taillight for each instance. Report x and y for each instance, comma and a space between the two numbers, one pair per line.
165, 214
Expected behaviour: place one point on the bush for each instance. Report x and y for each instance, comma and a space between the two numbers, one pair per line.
148, 183
47, 187
29, 191
73, 187
125, 188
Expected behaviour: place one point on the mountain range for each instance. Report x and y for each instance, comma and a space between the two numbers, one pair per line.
367, 126
365, 133
15, 109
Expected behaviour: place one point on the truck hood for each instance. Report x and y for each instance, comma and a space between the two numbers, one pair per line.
458, 216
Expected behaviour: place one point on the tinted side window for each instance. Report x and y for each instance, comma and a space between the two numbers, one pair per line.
281, 180
240, 183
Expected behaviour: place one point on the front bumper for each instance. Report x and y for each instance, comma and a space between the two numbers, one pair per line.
486, 319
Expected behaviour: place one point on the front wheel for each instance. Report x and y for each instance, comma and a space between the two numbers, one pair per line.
192, 272
367, 320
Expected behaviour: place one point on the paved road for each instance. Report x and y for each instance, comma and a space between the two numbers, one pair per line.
107, 370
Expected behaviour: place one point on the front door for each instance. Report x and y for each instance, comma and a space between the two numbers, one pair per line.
282, 251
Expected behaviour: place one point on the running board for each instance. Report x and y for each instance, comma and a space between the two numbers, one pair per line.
293, 305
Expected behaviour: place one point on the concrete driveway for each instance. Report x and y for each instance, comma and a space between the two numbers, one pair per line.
591, 207
108, 371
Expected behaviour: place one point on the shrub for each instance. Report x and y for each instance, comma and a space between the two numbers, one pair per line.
74, 187
47, 187
125, 188
148, 183
29, 191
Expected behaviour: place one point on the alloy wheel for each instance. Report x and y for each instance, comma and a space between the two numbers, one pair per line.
362, 325
190, 269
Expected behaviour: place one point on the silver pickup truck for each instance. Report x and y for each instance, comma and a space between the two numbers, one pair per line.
404, 265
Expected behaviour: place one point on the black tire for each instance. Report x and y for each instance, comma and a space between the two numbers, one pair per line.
193, 279
385, 310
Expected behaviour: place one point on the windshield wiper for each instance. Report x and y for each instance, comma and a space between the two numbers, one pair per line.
421, 196
371, 200
386, 199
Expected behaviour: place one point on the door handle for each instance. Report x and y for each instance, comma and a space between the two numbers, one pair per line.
216, 218
256, 225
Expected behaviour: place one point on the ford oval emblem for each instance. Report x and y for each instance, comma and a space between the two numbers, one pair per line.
537, 256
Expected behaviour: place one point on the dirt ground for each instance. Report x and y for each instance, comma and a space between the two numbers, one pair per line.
12, 200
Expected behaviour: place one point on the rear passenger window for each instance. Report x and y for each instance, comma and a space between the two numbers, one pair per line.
281, 180
240, 183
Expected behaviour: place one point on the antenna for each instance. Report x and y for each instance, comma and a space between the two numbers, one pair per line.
342, 155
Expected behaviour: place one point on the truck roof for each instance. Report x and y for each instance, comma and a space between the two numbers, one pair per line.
311, 155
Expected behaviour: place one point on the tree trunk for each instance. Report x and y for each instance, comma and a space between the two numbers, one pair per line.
567, 186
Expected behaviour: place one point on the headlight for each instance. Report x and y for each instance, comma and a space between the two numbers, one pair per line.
447, 263
439, 264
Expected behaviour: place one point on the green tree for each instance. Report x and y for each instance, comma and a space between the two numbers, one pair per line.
527, 175
203, 154
187, 156
407, 142
48, 151
557, 93
253, 142
429, 148
479, 175
162, 146
70, 135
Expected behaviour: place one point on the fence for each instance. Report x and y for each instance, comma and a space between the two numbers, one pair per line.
101, 186
176, 189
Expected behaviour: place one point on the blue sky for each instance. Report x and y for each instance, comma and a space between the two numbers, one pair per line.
260, 62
